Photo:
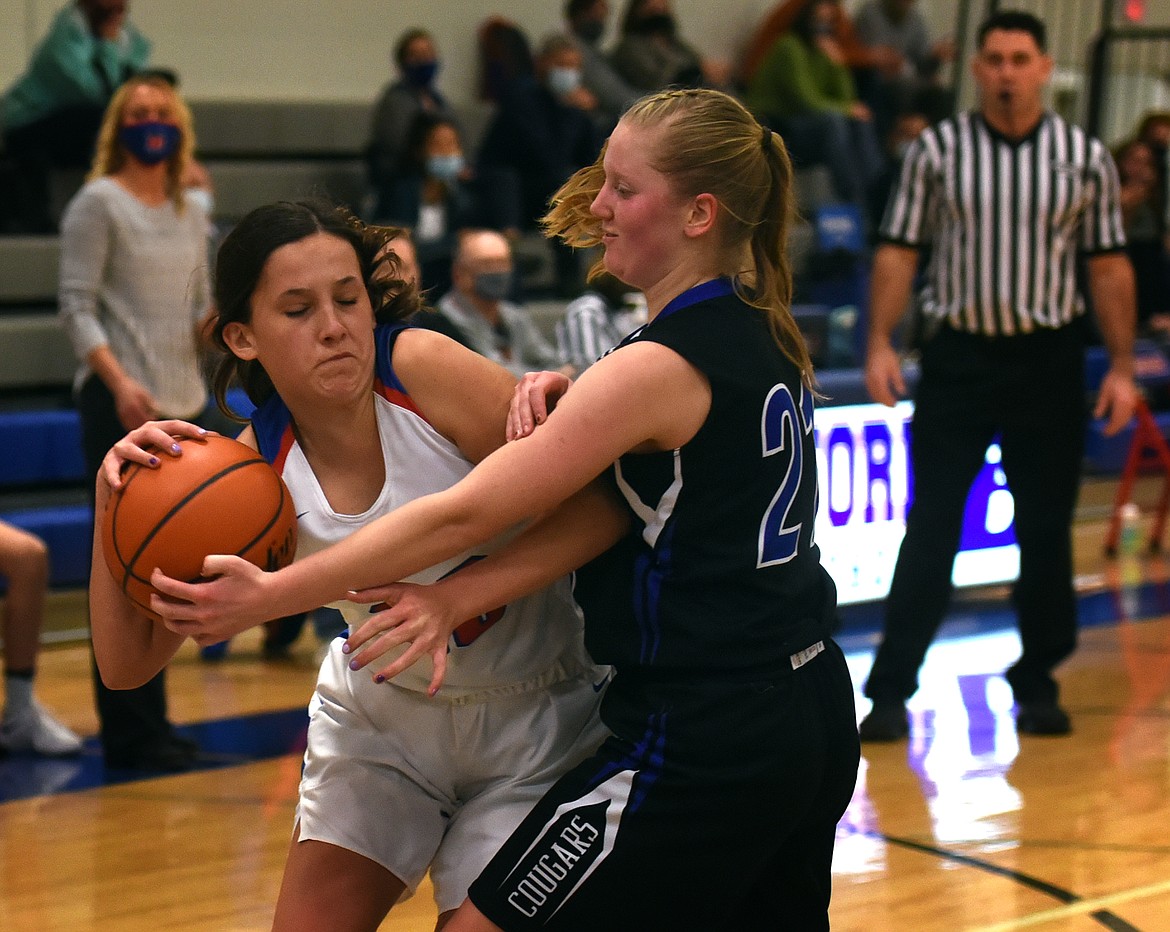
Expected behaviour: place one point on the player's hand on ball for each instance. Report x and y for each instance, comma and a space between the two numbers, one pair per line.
144, 444
411, 615
232, 598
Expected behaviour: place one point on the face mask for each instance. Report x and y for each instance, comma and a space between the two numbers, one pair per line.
563, 81
445, 167
150, 143
493, 286
591, 31
822, 29
421, 74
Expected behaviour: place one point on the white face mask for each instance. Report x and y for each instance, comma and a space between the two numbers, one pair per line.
563, 81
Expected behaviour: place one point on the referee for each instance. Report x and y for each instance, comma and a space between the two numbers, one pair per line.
1010, 198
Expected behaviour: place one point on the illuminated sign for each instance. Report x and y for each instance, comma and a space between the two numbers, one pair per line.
863, 469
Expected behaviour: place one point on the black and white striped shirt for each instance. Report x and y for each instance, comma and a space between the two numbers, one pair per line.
1005, 220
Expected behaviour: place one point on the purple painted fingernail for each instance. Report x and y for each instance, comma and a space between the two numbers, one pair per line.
154, 461
379, 678
175, 448
353, 665
345, 648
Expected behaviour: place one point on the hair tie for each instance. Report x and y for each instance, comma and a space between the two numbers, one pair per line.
765, 138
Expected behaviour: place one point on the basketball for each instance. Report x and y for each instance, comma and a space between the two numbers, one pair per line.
218, 496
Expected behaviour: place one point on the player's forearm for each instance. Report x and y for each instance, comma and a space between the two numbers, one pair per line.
580, 529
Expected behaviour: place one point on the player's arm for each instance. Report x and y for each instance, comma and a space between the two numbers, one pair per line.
130, 647
463, 395
643, 396
580, 529
1111, 284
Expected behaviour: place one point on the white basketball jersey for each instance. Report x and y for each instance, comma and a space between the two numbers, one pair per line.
527, 644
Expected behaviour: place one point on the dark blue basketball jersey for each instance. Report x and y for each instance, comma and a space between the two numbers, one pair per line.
721, 573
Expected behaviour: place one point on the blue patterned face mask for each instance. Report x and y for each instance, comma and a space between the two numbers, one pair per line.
150, 143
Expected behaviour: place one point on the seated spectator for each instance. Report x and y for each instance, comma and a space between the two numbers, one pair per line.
1154, 131
1142, 199
597, 321
913, 85
476, 313
52, 112
433, 195
805, 92
538, 137
779, 22
587, 20
26, 725
651, 56
401, 102
505, 56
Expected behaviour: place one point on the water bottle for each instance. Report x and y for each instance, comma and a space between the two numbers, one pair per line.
1129, 553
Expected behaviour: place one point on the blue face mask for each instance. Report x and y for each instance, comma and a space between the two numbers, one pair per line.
563, 81
493, 286
421, 74
445, 167
150, 143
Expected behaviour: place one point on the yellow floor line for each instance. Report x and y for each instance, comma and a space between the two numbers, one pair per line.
1079, 908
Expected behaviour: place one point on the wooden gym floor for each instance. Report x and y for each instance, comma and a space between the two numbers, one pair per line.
965, 827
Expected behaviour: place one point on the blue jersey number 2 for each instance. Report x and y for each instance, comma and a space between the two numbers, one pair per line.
783, 428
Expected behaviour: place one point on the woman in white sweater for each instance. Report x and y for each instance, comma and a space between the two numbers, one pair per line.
133, 291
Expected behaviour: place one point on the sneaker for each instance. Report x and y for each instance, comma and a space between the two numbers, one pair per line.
35, 729
1042, 718
886, 722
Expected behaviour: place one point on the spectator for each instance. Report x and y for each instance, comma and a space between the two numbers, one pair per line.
26, 725
433, 195
780, 20
805, 92
505, 56
597, 321
913, 86
476, 313
133, 291
52, 112
651, 56
907, 127
401, 102
1142, 198
542, 132
1154, 131
587, 21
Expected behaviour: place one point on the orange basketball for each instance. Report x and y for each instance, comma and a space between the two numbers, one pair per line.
219, 496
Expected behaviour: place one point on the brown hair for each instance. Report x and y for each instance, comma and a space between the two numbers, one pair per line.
711, 143
240, 263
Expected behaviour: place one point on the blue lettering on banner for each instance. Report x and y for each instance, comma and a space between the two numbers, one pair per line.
865, 484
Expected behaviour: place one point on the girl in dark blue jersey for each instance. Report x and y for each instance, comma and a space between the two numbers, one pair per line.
734, 749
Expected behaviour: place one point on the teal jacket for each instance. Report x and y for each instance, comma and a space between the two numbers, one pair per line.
72, 67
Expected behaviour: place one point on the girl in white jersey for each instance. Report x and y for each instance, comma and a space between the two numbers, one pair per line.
362, 414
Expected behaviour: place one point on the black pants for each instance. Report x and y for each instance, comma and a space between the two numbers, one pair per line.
1030, 390
129, 718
